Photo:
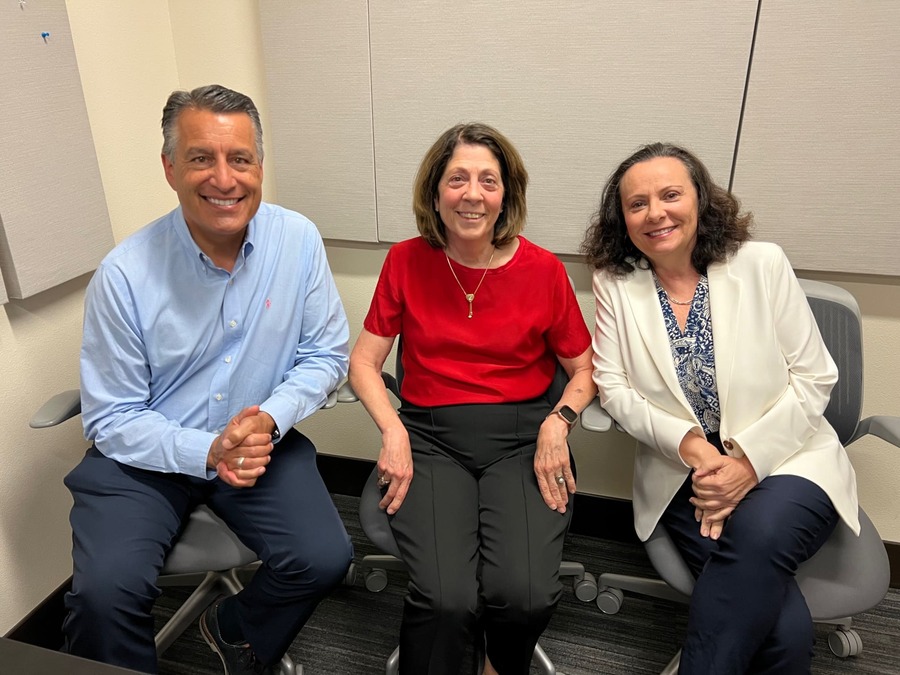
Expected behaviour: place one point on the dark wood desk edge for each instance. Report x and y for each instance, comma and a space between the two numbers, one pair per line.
25, 659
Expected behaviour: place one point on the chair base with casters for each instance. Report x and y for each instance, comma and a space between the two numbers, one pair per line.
848, 575
373, 568
205, 543
205, 537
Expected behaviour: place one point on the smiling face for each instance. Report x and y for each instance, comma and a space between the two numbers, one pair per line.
659, 203
470, 195
218, 177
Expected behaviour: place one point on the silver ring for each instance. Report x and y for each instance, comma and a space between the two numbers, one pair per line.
383, 481
560, 480
240, 462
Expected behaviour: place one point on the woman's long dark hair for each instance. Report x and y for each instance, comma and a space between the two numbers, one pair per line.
721, 227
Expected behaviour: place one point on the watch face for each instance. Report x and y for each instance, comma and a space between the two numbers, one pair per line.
570, 415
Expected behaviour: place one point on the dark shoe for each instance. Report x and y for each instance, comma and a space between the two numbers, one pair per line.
237, 659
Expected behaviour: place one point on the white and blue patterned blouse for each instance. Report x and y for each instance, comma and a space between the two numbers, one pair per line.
693, 354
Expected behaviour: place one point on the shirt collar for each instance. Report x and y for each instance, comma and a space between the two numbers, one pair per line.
184, 234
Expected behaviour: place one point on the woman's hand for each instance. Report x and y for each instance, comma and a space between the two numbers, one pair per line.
395, 467
551, 460
712, 522
722, 482
719, 487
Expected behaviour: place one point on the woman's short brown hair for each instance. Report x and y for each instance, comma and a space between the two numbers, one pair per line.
511, 220
721, 227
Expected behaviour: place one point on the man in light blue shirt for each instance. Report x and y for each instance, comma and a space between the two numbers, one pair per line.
208, 335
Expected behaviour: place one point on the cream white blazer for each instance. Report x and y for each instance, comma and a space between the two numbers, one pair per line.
773, 372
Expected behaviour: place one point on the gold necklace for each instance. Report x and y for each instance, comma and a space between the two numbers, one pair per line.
676, 302
683, 303
470, 296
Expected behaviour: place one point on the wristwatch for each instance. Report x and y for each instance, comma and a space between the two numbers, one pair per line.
569, 415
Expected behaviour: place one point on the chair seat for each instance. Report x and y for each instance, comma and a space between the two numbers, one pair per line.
847, 576
206, 544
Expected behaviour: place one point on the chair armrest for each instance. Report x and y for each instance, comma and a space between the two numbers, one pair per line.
885, 427
331, 400
57, 410
595, 418
345, 393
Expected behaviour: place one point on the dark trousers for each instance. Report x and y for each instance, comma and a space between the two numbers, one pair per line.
474, 512
747, 614
125, 520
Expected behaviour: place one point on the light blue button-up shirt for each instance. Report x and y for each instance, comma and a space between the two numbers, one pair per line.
174, 346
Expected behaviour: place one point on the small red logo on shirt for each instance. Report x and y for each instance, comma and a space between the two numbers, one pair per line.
268, 303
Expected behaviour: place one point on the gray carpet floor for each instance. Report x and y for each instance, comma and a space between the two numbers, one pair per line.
354, 631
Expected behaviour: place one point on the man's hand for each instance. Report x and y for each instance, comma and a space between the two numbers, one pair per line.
241, 452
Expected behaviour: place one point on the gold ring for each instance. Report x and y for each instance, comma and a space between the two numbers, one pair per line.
383, 481
240, 462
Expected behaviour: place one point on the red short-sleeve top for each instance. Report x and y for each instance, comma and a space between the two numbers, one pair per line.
523, 315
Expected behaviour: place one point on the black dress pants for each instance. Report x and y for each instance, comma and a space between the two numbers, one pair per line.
478, 539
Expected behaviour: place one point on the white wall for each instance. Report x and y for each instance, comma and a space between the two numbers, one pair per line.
131, 55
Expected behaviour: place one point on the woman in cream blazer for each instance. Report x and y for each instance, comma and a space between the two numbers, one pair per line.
707, 353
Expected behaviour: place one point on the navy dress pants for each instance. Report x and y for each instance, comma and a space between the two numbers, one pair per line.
747, 614
125, 520
482, 548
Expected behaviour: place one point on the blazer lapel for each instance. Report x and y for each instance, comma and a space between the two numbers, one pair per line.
725, 309
640, 292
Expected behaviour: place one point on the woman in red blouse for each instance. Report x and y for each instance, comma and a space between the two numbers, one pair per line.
475, 465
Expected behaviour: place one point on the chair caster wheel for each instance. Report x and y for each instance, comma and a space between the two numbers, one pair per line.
586, 587
376, 580
844, 642
610, 600
350, 577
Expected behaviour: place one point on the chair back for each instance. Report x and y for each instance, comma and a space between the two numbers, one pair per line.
838, 317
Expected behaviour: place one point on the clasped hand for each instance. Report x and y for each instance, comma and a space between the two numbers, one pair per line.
241, 452
719, 485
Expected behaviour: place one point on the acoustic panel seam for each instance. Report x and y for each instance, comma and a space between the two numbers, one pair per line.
372, 116
737, 138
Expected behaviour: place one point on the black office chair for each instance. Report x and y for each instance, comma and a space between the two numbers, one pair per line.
207, 554
376, 525
849, 574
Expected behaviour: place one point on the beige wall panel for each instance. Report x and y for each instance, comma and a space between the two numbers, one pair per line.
575, 85
55, 224
819, 159
317, 71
